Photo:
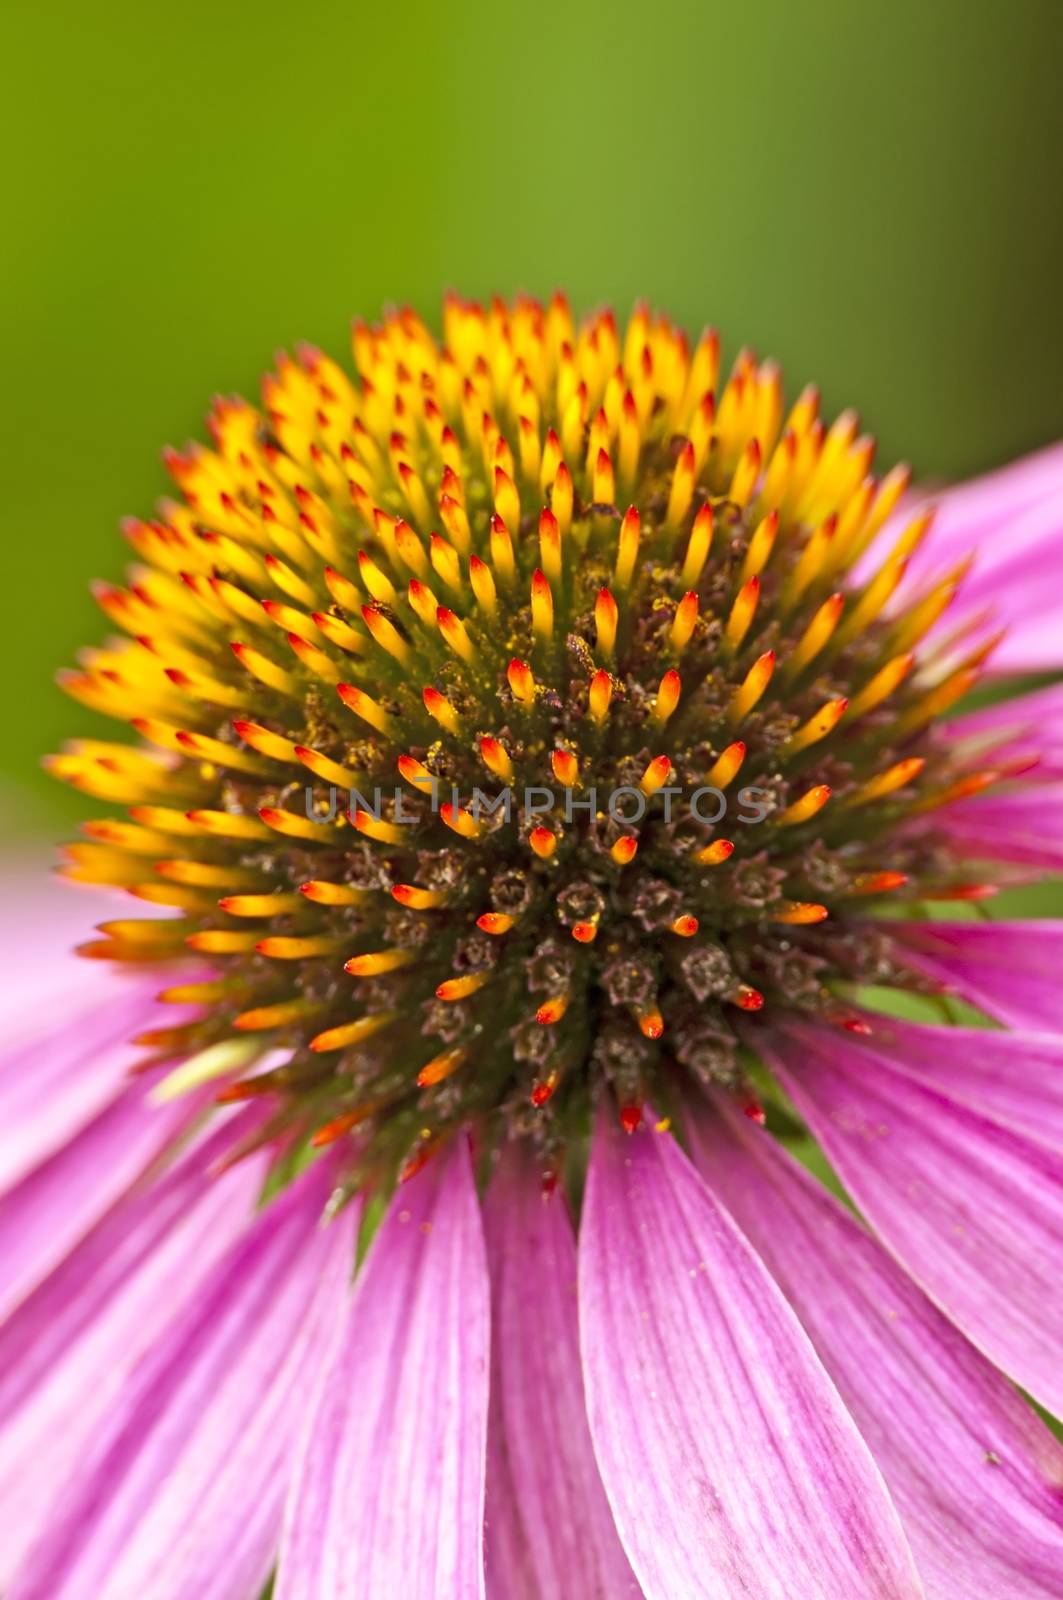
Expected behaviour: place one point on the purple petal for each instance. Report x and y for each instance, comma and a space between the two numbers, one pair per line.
977, 1479
550, 1533
730, 1462
183, 1489
45, 1215
972, 1209
1010, 970
1015, 1078
388, 1498
68, 1350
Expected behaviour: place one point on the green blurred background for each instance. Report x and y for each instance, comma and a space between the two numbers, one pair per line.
868, 191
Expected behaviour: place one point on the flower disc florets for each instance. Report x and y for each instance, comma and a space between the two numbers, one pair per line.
515, 725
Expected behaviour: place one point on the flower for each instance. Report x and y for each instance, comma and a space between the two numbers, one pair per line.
547, 755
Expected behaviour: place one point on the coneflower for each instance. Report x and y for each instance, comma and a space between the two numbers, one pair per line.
545, 748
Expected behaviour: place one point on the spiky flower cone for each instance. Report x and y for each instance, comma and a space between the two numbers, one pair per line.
514, 726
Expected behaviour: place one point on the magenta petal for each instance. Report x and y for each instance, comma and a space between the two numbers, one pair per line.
1025, 729
977, 1479
731, 1465
1010, 970
972, 1209
388, 1499
550, 1533
182, 1492
1023, 825
46, 1214
1015, 1078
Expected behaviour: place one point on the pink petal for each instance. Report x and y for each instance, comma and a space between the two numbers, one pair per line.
550, 1533
1010, 970
45, 980
1016, 1078
1026, 728
182, 1492
63, 1071
977, 1479
1012, 522
972, 1209
730, 1463
65, 1022
44, 1216
1023, 824
41, 965
388, 1499
980, 513
68, 1350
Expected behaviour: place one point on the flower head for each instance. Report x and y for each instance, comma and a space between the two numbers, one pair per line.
547, 749
514, 725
